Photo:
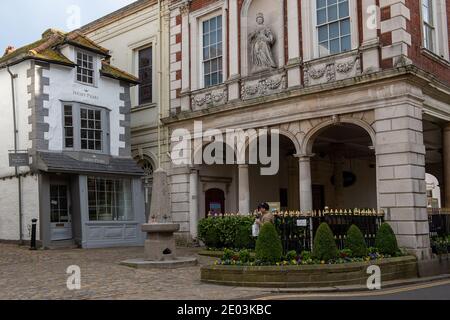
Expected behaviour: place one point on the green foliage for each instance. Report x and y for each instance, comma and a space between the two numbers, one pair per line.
228, 254
227, 231
291, 255
385, 241
244, 256
243, 238
345, 253
355, 242
306, 255
268, 245
325, 248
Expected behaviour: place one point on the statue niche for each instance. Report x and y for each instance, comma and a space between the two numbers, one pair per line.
261, 42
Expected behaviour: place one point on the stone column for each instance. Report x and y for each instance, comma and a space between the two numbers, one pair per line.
400, 153
306, 202
244, 190
233, 41
185, 51
193, 203
294, 59
446, 163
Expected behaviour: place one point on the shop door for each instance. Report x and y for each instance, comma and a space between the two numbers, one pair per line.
60, 218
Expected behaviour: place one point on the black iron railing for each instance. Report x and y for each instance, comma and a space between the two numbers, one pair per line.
297, 229
439, 222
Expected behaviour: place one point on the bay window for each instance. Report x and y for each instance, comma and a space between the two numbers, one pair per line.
333, 26
85, 128
109, 199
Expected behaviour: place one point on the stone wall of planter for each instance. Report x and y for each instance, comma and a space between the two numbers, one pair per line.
308, 275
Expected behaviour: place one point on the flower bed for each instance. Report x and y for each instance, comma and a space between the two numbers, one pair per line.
302, 276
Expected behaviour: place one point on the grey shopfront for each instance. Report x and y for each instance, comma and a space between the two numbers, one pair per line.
90, 201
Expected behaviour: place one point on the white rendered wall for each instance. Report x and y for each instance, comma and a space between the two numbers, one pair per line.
6, 118
64, 87
9, 207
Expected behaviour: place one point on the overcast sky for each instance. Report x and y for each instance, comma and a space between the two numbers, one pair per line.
23, 21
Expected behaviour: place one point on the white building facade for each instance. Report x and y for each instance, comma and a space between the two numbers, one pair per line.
72, 113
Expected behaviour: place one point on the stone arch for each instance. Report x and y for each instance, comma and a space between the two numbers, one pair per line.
312, 134
145, 155
286, 133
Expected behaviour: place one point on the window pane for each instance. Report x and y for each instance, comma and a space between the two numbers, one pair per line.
329, 2
334, 30
332, 13
334, 46
345, 27
346, 44
321, 16
321, 3
343, 9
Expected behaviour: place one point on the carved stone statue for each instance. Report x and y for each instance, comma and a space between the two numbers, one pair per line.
261, 42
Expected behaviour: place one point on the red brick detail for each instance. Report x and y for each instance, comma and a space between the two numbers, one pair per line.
385, 13
387, 63
198, 4
178, 38
178, 19
386, 39
178, 93
422, 61
178, 56
178, 75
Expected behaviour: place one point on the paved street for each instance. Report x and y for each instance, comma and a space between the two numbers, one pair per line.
439, 290
26, 274
42, 274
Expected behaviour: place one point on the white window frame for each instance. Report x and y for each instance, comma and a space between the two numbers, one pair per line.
310, 30
202, 60
76, 125
95, 66
196, 19
440, 34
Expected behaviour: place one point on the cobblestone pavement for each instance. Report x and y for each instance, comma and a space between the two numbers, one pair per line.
41, 274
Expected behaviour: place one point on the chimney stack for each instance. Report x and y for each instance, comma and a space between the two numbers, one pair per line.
8, 50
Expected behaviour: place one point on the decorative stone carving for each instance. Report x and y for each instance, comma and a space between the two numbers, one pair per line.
328, 71
264, 86
209, 98
261, 42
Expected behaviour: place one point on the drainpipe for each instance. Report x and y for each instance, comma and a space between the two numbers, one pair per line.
16, 132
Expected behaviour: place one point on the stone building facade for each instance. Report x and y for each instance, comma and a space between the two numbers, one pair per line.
358, 90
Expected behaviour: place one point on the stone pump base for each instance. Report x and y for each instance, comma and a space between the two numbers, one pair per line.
160, 249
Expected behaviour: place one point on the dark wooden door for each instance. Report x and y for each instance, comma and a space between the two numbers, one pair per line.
318, 195
214, 201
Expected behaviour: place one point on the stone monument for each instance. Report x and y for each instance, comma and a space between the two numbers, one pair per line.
160, 249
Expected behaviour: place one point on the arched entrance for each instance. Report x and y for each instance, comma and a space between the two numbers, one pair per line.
343, 168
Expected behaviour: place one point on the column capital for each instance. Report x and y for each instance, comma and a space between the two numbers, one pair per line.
243, 166
304, 157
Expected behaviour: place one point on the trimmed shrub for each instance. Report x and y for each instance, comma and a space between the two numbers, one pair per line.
228, 254
385, 241
268, 245
243, 238
355, 242
324, 244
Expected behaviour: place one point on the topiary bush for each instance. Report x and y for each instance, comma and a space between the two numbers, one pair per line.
243, 238
324, 248
268, 245
355, 242
385, 240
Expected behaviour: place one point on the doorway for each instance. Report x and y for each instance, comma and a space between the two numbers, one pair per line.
60, 215
215, 202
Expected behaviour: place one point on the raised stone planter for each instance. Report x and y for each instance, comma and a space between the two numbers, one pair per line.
308, 275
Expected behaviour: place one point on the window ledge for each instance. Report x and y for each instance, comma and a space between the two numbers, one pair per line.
144, 106
430, 54
336, 56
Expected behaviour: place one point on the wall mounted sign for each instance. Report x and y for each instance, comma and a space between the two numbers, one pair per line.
19, 159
